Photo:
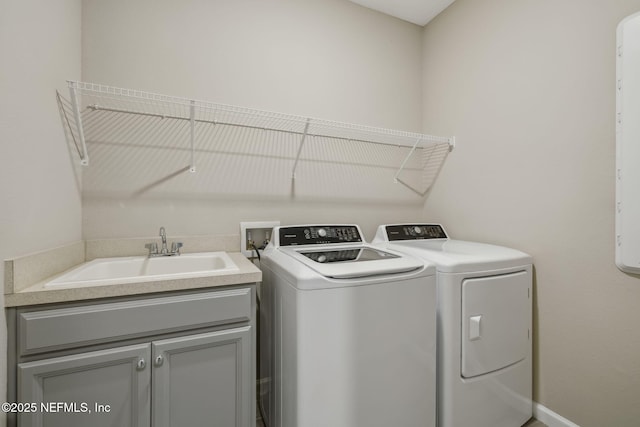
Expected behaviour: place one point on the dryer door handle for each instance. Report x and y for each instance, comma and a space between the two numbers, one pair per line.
474, 327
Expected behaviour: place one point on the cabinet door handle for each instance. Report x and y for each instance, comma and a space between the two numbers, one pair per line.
141, 364
159, 360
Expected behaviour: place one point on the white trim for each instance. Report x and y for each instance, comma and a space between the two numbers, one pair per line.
550, 418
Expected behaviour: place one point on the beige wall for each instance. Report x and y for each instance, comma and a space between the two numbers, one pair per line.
39, 195
322, 58
527, 87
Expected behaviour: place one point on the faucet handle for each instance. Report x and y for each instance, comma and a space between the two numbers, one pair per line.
175, 247
153, 248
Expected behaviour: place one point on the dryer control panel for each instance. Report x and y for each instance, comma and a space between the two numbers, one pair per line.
415, 232
319, 235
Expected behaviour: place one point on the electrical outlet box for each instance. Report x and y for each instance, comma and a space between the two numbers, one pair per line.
257, 232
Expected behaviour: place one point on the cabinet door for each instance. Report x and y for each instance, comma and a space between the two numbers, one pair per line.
71, 387
204, 380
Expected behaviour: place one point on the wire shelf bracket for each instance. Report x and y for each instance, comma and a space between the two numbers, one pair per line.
75, 104
192, 135
304, 136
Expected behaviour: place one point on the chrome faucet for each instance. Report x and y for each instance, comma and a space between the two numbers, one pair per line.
164, 251
163, 236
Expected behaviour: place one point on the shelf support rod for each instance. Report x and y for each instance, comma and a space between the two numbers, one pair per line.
192, 125
406, 159
304, 135
84, 156
95, 107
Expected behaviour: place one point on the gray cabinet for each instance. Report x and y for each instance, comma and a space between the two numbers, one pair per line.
117, 379
187, 360
195, 377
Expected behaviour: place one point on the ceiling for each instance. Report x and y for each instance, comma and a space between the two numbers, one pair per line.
416, 11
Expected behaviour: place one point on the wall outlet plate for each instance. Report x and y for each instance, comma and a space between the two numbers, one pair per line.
259, 232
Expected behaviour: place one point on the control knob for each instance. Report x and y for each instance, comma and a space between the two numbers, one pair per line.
322, 232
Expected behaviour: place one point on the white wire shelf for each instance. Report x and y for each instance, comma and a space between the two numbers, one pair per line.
89, 99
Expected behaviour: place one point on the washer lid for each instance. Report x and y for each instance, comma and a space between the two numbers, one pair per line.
353, 261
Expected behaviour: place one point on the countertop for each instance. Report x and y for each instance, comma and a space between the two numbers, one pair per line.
37, 294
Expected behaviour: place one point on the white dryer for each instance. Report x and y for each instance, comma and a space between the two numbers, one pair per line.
484, 325
347, 332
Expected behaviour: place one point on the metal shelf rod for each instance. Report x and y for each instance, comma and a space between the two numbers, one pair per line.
304, 135
406, 159
192, 136
96, 107
84, 157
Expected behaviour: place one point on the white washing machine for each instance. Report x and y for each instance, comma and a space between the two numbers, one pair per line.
484, 325
347, 332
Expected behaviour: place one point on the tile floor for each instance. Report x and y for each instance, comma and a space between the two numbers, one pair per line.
532, 423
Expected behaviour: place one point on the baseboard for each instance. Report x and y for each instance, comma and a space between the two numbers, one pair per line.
550, 418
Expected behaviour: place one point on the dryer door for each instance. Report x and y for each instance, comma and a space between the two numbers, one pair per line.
496, 316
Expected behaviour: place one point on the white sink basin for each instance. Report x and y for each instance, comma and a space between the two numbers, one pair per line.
111, 271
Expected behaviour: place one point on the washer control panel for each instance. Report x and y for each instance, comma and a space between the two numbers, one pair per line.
415, 232
319, 235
